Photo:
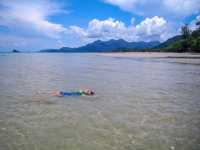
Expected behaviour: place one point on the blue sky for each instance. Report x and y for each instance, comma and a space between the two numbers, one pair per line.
40, 24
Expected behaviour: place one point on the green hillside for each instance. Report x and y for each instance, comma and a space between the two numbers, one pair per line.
188, 41
169, 42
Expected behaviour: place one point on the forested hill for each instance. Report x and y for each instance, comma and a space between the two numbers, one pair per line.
108, 46
188, 41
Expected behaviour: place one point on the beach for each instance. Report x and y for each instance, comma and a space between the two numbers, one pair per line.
184, 58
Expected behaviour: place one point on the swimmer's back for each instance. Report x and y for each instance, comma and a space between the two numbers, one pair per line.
75, 93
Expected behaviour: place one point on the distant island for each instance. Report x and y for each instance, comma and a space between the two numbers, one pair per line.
15, 51
188, 41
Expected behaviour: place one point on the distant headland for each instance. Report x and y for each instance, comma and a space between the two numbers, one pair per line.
15, 51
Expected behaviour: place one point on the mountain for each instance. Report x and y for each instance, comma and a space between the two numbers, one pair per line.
168, 42
108, 46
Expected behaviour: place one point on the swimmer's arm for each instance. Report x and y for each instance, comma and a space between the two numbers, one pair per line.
43, 92
56, 93
52, 93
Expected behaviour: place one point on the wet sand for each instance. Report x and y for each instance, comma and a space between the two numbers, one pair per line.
185, 58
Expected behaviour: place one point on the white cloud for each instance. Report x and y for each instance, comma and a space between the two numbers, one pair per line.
192, 25
169, 8
183, 7
29, 26
155, 28
30, 16
124, 4
77, 30
107, 28
152, 29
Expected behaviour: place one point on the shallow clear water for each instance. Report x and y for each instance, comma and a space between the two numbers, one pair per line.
140, 103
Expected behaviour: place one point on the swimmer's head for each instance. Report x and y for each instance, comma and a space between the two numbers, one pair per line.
88, 92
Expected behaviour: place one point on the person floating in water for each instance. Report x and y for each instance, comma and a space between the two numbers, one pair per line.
86, 92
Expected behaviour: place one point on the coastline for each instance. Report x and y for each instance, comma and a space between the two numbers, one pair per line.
184, 58
153, 54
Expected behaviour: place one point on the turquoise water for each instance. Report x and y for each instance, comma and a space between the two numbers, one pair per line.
140, 103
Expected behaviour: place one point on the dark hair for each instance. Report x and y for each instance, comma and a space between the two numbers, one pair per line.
92, 92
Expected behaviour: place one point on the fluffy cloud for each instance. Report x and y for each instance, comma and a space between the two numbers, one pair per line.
192, 25
183, 7
106, 28
155, 28
169, 8
25, 15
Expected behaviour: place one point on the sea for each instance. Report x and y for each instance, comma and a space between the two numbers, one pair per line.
139, 103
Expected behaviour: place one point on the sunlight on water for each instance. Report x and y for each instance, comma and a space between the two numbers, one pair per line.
139, 103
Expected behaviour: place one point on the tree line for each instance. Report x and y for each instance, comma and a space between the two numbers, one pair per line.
190, 40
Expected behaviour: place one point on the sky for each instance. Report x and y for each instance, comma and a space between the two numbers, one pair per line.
41, 24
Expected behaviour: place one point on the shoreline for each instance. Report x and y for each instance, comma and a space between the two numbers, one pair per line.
153, 55
182, 58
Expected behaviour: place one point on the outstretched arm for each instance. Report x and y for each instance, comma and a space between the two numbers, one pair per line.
52, 93
56, 93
